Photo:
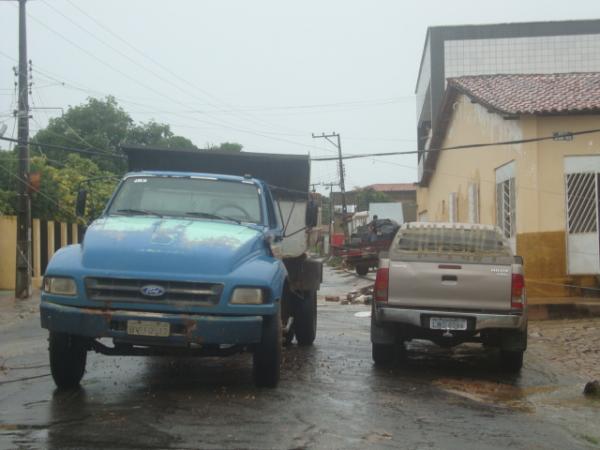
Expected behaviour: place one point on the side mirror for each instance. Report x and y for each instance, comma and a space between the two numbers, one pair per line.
518, 260
312, 214
80, 203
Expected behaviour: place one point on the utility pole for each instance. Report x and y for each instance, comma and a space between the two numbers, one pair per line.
331, 210
23, 278
338, 145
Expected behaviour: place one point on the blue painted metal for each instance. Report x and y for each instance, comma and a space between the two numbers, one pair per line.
196, 328
170, 249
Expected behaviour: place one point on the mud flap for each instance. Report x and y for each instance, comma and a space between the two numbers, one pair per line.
514, 340
382, 333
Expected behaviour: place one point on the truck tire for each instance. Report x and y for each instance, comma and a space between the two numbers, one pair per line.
512, 360
305, 320
383, 354
362, 269
267, 354
68, 356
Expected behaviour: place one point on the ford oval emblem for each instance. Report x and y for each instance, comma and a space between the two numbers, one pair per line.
152, 290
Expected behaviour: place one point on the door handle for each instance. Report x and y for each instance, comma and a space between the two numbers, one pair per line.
449, 278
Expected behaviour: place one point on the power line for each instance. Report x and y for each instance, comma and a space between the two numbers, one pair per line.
128, 58
465, 146
159, 64
61, 147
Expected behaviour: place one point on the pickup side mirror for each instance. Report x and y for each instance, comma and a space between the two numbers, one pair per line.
518, 260
80, 203
312, 214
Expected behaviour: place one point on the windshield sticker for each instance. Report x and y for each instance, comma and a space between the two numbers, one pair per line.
140, 180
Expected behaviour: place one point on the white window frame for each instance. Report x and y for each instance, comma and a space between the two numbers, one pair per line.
473, 196
506, 175
453, 207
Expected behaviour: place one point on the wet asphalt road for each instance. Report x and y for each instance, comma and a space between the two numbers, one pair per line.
330, 396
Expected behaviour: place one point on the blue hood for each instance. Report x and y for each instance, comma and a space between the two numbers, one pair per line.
155, 245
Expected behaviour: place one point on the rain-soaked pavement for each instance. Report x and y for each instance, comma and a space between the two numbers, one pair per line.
330, 396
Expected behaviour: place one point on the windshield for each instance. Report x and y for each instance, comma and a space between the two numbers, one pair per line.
190, 197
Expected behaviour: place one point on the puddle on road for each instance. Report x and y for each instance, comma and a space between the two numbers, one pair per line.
490, 392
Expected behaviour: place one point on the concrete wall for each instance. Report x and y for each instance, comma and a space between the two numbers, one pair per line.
539, 175
44, 246
8, 249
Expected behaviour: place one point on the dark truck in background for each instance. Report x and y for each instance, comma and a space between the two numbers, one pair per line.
198, 253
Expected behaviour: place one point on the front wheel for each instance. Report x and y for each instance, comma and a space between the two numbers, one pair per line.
68, 356
305, 320
267, 354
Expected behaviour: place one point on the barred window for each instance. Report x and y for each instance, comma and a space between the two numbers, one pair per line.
581, 203
506, 210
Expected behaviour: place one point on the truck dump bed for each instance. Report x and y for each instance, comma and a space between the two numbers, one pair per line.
288, 175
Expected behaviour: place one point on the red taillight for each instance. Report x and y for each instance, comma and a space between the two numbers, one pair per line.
381, 284
518, 286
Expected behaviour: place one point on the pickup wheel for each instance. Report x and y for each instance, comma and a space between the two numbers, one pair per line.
68, 356
512, 360
305, 320
362, 269
267, 354
383, 354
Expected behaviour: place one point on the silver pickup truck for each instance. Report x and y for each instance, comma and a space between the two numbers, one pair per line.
449, 283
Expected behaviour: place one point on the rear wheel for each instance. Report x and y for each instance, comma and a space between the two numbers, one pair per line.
362, 269
383, 354
68, 356
512, 360
267, 354
305, 320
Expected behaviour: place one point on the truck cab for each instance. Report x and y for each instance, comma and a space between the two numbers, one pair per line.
181, 263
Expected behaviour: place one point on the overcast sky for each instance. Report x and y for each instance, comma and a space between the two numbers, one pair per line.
264, 73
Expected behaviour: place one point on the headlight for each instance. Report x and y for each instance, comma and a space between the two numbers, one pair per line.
60, 286
247, 296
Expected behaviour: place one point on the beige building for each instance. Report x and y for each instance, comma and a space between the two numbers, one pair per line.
543, 192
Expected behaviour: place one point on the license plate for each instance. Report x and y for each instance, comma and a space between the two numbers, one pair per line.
447, 323
148, 328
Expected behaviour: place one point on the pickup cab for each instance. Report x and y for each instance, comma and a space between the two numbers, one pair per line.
449, 284
181, 264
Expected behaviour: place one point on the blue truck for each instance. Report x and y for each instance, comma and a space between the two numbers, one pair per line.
200, 253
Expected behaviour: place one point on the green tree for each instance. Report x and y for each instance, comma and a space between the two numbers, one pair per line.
8, 182
227, 147
101, 125
59, 185
158, 135
364, 197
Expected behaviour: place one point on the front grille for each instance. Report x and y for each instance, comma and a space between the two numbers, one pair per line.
126, 290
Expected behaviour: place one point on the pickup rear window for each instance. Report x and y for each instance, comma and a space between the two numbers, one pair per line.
456, 243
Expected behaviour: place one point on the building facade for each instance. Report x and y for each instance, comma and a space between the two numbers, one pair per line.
543, 191
514, 48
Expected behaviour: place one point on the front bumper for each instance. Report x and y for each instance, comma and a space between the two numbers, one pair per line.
480, 321
185, 328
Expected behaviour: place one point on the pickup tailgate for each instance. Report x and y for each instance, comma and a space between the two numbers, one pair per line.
432, 285
450, 266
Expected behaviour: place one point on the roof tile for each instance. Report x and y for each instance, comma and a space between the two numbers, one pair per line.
534, 93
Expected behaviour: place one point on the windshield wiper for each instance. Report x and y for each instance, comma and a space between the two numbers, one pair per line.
211, 216
138, 211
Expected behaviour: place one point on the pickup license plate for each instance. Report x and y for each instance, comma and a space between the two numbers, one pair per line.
148, 328
447, 323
